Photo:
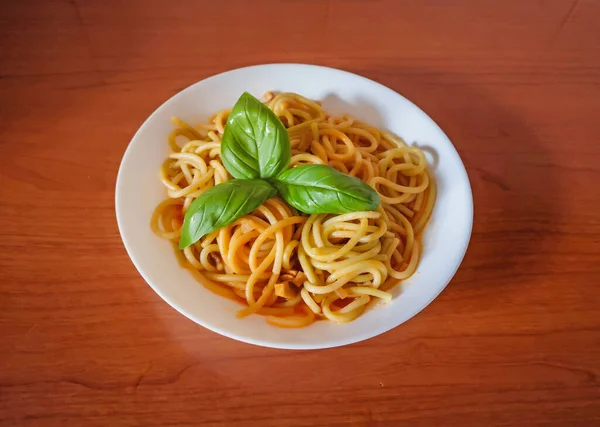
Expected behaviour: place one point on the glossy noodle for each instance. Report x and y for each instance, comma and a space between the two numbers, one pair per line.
291, 267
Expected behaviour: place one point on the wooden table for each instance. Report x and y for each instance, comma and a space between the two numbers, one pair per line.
513, 341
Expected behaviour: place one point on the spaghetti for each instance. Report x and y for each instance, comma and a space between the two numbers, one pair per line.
291, 267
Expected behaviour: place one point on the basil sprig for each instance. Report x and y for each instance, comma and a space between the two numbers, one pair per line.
256, 150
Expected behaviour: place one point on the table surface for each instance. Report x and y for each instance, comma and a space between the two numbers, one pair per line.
513, 341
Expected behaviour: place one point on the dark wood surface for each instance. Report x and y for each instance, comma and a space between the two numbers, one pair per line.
513, 341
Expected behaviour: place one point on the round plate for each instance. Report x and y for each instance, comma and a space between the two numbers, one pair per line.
139, 191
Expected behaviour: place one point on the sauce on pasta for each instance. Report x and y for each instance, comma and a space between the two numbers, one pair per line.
291, 267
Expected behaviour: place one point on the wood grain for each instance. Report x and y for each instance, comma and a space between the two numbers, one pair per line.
513, 341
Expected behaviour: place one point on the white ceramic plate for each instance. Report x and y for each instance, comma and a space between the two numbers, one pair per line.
139, 190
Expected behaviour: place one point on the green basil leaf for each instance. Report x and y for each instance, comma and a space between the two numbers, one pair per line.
255, 143
221, 205
316, 189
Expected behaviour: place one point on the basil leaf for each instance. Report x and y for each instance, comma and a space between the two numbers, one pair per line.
316, 189
221, 205
255, 143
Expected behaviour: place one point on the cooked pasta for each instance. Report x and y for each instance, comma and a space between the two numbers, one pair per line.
291, 267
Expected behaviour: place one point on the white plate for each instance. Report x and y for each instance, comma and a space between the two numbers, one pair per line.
139, 190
